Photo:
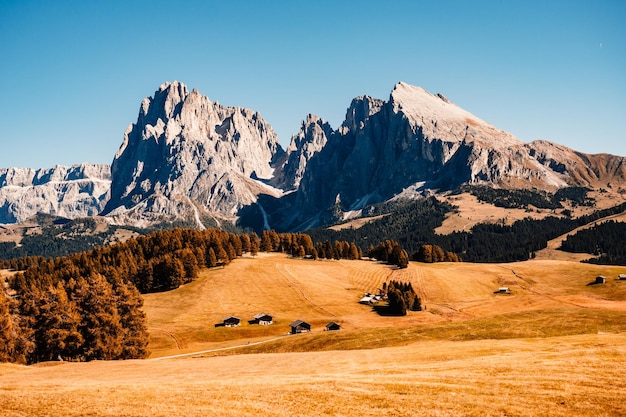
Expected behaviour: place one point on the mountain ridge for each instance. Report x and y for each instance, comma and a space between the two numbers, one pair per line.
187, 157
79, 190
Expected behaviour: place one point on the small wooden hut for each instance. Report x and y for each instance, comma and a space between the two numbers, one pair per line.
300, 326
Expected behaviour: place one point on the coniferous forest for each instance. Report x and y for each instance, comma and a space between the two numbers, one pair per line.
58, 236
414, 226
87, 305
607, 241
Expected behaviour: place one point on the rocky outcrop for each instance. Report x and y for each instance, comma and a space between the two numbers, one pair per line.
188, 158
312, 137
76, 191
417, 142
587, 170
186, 154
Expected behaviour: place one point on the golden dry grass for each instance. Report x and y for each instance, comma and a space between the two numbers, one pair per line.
356, 223
471, 211
564, 376
289, 289
318, 292
554, 347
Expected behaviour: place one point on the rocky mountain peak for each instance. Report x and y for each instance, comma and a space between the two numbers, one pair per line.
188, 158
165, 104
311, 138
360, 110
190, 154
438, 117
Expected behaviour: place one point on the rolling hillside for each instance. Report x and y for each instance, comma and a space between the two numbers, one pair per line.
184, 320
555, 346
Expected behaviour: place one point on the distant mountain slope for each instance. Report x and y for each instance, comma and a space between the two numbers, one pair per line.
76, 191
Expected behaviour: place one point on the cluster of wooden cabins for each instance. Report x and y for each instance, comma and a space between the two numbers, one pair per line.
298, 326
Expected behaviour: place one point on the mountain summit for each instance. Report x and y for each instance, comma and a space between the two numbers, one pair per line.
417, 142
189, 159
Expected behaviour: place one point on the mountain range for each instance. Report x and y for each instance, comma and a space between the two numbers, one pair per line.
190, 159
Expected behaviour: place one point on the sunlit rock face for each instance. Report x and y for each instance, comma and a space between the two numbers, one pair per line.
76, 191
187, 154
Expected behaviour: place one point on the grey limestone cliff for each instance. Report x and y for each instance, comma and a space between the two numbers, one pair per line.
77, 191
187, 156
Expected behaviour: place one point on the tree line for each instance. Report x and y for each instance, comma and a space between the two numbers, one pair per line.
607, 241
410, 223
59, 236
87, 306
83, 318
523, 198
390, 252
434, 253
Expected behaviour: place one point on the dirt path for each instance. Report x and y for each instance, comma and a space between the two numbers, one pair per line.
170, 334
202, 352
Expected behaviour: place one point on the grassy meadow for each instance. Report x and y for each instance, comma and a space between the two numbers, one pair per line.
555, 346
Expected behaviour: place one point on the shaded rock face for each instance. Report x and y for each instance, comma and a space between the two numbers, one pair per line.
76, 191
417, 141
188, 154
311, 139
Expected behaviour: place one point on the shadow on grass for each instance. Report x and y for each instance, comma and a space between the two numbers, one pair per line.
384, 310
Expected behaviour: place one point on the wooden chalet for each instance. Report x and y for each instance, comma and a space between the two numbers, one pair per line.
263, 319
300, 326
231, 321
332, 326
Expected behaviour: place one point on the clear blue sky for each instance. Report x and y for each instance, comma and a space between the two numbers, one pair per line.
73, 74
